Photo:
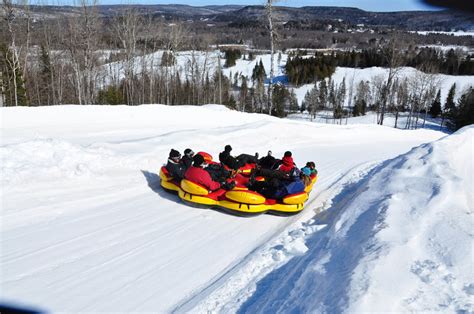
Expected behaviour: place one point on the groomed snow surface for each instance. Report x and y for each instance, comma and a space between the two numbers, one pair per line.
85, 226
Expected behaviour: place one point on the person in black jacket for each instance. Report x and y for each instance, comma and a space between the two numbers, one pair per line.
268, 161
236, 162
174, 165
187, 159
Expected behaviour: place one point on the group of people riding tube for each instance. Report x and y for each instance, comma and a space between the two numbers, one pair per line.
271, 177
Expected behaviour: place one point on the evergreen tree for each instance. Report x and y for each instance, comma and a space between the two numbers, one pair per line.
258, 73
450, 105
303, 107
231, 56
243, 93
341, 95
332, 93
323, 95
435, 108
45, 77
230, 102
308, 101
463, 114
359, 107
111, 96
293, 102
280, 100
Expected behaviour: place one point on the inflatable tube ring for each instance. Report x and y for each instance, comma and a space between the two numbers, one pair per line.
246, 197
193, 188
294, 199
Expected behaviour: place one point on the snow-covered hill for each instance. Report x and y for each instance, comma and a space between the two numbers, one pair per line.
206, 62
85, 225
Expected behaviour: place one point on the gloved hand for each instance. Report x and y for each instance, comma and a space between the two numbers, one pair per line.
228, 185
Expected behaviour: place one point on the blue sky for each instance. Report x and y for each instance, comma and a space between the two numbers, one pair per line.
369, 5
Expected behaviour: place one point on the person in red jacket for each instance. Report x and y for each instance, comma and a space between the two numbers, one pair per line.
197, 174
287, 164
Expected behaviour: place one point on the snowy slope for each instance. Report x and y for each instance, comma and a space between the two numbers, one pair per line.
398, 238
86, 227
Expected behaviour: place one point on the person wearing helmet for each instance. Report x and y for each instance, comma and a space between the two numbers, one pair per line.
174, 165
187, 159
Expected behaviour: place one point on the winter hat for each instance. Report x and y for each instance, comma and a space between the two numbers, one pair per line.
174, 154
288, 154
228, 148
198, 160
188, 152
288, 161
306, 171
287, 164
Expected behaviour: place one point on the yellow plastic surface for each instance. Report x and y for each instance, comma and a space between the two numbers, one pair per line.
238, 201
245, 197
297, 199
193, 188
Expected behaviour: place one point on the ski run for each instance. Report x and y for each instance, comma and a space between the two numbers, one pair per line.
86, 227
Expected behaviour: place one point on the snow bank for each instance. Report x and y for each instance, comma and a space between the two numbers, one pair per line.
398, 240
423, 255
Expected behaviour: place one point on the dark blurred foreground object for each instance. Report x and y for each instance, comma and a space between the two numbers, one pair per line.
14, 309
462, 5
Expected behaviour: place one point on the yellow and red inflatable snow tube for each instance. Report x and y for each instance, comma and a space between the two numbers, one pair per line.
239, 201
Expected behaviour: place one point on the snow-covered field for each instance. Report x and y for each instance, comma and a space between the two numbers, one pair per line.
354, 76
206, 63
326, 117
457, 33
86, 227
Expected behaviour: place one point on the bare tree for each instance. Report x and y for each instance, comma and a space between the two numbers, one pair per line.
174, 38
127, 26
269, 11
81, 42
12, 57
423, 86
27, 28
401, 99
393, 58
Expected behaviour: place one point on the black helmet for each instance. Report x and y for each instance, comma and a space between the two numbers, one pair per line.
198, 160
174, 154
288, 154
189, 152
228, 148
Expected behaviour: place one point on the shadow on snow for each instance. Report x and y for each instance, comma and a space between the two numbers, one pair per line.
320, 279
